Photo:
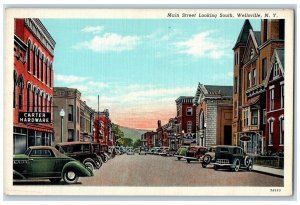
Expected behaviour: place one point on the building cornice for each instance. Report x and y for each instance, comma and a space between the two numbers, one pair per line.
41, 33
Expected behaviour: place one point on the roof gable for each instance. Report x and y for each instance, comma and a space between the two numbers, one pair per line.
278, 57
244, 33
251, 46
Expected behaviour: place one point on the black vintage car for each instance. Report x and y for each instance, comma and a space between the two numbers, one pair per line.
81, 151
231, 157
100, 151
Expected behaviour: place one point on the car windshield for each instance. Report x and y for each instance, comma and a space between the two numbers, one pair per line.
27, 152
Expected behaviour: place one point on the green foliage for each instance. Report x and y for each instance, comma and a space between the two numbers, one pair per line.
137, 143
118, 132
126, 142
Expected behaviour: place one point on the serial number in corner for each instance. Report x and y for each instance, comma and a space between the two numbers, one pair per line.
275, 190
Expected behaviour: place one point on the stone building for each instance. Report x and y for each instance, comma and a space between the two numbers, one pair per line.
67, 128
33, 82
213, 114
86, 122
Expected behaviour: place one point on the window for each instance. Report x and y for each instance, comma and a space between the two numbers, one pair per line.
264, 68
249, 80
281, 29
264, 116
235, 85
281, 130
70, 135
189, 111
28, 97
70, 113
15, 84
78, 119
34, 60
38, 64
42, 104
265, 30
254, 77
254, 117
21, 99
275, 69
282, 96
33, 101
42, 69
251, 53
272, 99
50, 75
235, 108
246, 118
189, 126
271, 132
28, 56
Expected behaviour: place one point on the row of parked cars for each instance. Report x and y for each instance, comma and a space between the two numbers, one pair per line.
219, 156
67, 161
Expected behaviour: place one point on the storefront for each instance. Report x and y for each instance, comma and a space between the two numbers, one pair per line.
252, 142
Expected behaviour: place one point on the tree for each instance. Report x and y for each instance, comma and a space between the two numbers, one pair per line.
116, 129
137, 143
126, 142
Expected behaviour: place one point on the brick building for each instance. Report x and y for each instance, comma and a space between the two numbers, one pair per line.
186, 120
213, 114
33, 82
253, 52
103, 128
149, 139
274, 120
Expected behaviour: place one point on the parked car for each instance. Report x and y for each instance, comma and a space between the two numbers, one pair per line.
232, 157
143, 150
81, 151
195, 153
181, 152
164, 151
151, 151
47, 162
130, 151
209, 156
99, 151
157, 150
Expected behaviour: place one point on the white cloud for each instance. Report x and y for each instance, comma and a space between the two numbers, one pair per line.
110, 42
92, 29
203, 45
69, 78
97, 85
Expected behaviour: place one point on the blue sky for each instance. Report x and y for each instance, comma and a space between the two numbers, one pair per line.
139, 67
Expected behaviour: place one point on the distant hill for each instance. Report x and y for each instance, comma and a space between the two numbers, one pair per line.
132, 133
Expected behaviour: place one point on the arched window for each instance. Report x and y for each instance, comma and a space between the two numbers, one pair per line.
21, 85
271, 131
28, 55
46, 77
38, 63
28, 96
34, 60
50, 74
42, 101
281, 120
42, 68
15, 84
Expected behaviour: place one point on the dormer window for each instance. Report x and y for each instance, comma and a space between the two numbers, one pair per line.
251, 53
275, 70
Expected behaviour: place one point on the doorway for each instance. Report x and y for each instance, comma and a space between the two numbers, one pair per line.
227, 134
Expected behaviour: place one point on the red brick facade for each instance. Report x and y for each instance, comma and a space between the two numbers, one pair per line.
33, 82
102, 126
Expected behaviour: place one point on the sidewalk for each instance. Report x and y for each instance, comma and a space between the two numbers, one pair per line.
268, 170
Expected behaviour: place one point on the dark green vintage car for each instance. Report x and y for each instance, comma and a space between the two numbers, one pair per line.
48, 163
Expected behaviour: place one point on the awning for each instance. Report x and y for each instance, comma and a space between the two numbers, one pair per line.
252, 101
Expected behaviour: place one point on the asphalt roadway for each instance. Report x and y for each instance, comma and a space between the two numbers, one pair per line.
153, 170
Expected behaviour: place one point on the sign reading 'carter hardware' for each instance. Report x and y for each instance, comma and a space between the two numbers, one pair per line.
35, 117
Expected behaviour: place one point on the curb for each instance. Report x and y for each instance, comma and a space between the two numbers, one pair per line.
269, 171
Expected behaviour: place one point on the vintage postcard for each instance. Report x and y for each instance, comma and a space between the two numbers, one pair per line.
149, 102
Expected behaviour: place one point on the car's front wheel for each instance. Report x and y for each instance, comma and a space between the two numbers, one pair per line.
237, 165
89, 165
204, 165
70, 176
55, 180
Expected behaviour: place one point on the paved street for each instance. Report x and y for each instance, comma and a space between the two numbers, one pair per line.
152, 170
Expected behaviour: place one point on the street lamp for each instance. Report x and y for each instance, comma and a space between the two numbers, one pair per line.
62, 114
205, 134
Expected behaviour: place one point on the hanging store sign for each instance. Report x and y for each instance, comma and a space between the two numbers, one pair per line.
35, 117
245, 138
